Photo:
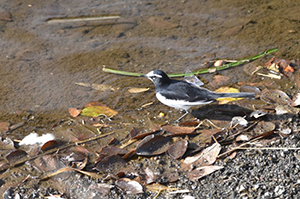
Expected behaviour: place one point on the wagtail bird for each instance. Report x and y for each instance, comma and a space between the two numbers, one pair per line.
183, 95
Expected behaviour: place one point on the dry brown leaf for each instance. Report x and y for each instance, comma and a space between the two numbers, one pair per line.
178, 149
264, 127
200, 172
206, 157
130, 186
276, 97
112, 164
6, 144
137, 90
15, 156
296, 100
99, 87
74, 112
153, 145
178, 130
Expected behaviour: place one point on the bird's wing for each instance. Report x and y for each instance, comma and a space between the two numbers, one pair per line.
180, 90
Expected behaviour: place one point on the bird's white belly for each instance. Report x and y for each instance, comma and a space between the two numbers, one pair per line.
179, 104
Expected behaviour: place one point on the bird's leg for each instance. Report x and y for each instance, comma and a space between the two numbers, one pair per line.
186, 112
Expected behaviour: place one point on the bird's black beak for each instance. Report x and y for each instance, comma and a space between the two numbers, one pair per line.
143, 76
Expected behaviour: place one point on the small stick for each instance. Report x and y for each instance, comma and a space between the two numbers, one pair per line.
203, 71
81, 19
270, 148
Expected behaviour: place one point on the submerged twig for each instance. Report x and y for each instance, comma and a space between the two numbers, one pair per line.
202, 71
81, 19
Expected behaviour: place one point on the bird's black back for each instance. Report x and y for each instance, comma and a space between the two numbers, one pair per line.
181, 90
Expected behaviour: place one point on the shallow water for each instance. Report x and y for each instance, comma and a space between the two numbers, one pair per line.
41, 61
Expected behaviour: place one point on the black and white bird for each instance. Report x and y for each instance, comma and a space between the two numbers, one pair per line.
183, 95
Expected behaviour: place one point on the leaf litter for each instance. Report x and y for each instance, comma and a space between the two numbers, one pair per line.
145, 160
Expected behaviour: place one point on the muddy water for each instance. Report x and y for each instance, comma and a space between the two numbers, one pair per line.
41, 62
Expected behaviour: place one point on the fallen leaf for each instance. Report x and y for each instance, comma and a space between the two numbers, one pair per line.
206, 134
264, 127
112, 150
101, 188
178, 149
47, 163
233, 31
200, 172
285, 109
276, 97
50, 145
289, 69
296, 100
95, 111
168, 176
150, 176
130, 186
74, 112
238, 120
206, 157
140, 133
178, 130
153, 145
99, 87
6, 144
137, 90
112, 164
16, 156
77, 157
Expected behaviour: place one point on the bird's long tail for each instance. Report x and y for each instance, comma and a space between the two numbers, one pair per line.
235, 95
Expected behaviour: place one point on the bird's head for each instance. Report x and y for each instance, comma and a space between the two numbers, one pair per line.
158, 77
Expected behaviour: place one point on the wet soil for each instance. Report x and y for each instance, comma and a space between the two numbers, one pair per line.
41, 62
